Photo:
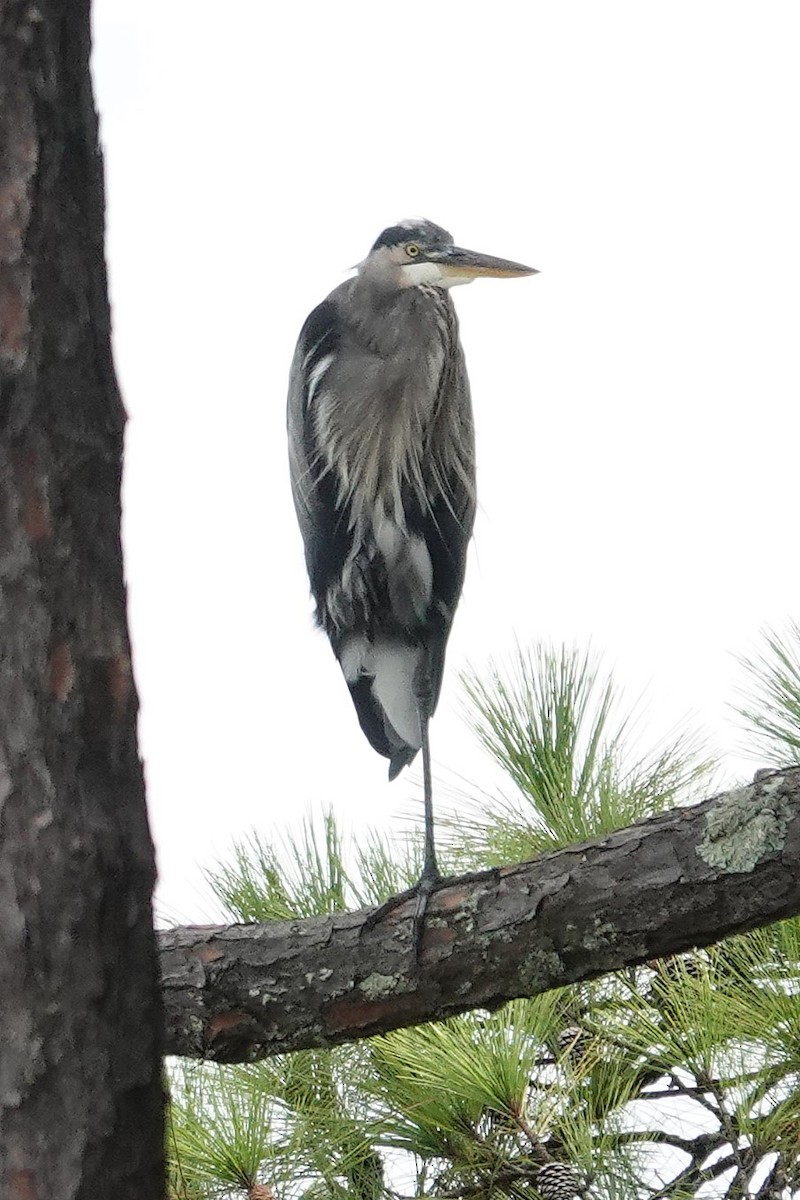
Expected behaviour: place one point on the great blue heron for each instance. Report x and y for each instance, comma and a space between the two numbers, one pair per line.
383, 474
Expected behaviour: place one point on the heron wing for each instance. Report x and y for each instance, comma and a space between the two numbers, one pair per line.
323, 524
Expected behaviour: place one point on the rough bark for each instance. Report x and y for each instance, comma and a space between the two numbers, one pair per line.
80, 1016
681, 879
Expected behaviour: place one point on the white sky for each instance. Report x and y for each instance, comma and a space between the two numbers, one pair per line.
636, 403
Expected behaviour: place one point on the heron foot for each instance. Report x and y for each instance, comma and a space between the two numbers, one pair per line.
427, 884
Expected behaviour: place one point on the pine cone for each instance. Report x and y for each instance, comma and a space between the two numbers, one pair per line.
557, 1181
260, 1191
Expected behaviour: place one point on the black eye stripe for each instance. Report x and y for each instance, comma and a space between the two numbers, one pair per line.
398, 235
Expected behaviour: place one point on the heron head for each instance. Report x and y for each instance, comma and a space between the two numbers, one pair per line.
416, 252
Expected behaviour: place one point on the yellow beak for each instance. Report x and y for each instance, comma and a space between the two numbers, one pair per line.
457, 263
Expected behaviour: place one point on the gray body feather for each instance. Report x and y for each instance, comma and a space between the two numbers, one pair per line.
382, 464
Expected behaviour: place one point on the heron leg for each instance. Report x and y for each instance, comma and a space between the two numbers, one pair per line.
431, 875
430, 867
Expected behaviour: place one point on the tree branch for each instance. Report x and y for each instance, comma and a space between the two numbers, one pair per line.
694, 1175
681, 879
698, 1148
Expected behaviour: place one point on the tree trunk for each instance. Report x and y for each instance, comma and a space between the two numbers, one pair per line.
681, 879
80, 1083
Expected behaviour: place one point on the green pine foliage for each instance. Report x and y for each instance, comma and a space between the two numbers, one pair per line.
771, 705
559, 729
308, 875
675, 1080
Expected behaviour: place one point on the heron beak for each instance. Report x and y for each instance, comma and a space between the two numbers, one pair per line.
463, 266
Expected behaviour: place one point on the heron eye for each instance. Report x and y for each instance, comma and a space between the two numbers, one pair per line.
412, 250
